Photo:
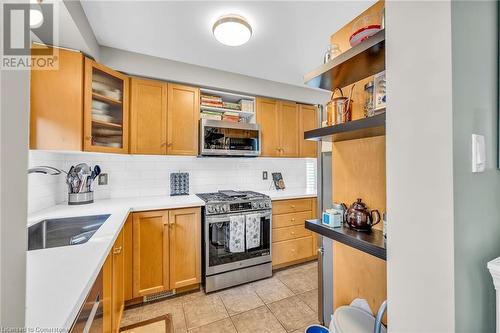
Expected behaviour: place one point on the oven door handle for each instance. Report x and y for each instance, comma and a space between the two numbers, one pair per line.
225, 218
92, 314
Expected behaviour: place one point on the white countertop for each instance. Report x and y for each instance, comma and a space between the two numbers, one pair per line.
290, 194
58, 279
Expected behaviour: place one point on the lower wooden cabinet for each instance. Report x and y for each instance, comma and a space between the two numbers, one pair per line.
150, 252
113, 287
292, 242
185, 247
166, 250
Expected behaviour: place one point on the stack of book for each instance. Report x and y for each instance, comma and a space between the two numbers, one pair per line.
205, 114
232, 106
231, 116
215, 101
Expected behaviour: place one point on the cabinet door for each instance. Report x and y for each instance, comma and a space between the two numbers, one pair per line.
185, 247
148, 117
267, 118
56, 104
182, 120
308, 120
151, 252
107, 294
128, 258
289, 129
118, 283
105, 109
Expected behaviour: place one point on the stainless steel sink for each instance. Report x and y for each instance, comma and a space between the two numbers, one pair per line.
64, 231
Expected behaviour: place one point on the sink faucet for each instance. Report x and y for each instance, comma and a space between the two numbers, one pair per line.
46, 170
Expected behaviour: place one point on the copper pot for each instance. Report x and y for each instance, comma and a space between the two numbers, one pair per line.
360, 218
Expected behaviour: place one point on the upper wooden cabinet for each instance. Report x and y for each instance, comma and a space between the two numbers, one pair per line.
182, 120
289, 129
279, 124
185, 247
148, 117
308, 120
106, 109
56, 104
267, 118
150, 252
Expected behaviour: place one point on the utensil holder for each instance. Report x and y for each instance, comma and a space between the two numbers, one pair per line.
80, 198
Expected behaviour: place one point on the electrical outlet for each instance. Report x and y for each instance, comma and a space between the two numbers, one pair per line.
103, 179
264, 175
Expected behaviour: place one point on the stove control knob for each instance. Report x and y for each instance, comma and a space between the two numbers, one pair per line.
223, 209
216, 209
254, 205
268, 204
210, 209
261, 205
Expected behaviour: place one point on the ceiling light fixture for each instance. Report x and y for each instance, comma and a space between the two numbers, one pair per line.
36, 15
232, 30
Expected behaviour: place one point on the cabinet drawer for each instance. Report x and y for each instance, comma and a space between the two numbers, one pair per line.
287, 220
291, 250
292, 232
292, 206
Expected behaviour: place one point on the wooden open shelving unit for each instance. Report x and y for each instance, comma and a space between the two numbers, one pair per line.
356, 129
359, 62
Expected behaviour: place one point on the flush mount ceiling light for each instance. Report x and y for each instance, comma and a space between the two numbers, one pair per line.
232, 30
36, 15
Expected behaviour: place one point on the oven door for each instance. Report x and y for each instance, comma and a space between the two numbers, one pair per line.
218, 257
223, 138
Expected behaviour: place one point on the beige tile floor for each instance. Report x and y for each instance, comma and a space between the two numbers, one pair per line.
286, 302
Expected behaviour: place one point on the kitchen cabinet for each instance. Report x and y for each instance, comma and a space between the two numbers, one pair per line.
167, 250
113, 287
148, 117
292, 242
289, 129
128, 258
281, 124
185, 247
105, 109
267, 118
118, 302
308, 120
56, 104
183, 120
150, 252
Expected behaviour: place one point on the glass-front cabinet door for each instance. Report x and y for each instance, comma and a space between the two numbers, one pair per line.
106, 112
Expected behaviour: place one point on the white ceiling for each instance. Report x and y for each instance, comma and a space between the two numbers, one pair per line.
289, 37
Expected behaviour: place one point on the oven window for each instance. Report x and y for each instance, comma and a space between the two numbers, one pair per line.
219, 251
231, 139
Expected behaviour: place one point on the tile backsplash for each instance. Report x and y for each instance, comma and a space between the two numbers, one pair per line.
146, 175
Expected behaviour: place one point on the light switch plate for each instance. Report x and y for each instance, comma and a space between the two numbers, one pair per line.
264, 175
478, 153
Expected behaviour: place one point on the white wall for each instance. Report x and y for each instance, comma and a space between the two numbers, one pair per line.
14, 118
169, 70
141, 175
420, 266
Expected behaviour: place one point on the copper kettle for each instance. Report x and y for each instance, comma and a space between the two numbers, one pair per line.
360, 218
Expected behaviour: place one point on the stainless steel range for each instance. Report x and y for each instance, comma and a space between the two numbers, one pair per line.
236, 238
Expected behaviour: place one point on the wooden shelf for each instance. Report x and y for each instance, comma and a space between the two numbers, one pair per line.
372, 242
224, 110
359, 62
106, 99
356, 129
106, 124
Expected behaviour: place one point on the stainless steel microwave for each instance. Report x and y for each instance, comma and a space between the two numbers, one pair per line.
224, 138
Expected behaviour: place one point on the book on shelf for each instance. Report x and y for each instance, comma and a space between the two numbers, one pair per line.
231, 113
232, 106
234, 119
211, 115
212, 104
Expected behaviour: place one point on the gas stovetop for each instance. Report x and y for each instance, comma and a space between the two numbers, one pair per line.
229, 201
